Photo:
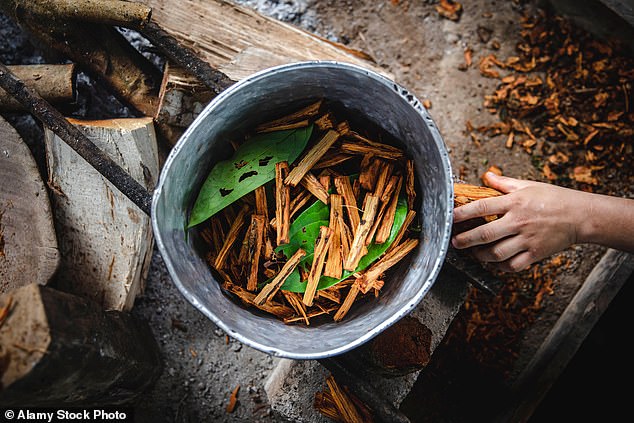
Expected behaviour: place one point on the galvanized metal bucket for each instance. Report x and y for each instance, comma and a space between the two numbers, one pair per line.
254, 100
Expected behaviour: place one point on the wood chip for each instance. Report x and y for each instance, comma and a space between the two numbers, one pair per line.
387, 261
363, 229
325, 122
295, 301
347, 302
233, 399
256, 238
271, 288
410, 184
284, 127
330, 160
311, 158
387, 221
334, 264
322, 244
282, 203
370, 168
409, 218
279, 310
299, 116
312, 184
231, 237
343, 402
342, 184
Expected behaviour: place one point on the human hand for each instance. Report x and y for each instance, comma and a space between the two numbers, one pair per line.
537, 220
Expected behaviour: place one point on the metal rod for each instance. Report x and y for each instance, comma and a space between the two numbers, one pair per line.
56, 122
383, 411
183, 56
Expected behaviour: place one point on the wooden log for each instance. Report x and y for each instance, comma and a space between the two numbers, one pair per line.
54, 83
105, 239
58, 349
28, 245
111, 12
181, 99
104, 53
76, 139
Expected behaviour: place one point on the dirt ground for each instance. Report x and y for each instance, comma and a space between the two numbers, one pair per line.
424, 52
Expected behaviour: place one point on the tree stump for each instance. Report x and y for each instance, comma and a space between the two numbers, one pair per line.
105, 239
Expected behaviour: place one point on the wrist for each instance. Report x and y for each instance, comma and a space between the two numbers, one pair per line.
587, 219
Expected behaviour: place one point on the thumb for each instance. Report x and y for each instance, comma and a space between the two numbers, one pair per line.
503, 183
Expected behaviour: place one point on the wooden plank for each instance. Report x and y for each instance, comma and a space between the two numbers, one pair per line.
106, 240
568, 333
28, 245
61, 349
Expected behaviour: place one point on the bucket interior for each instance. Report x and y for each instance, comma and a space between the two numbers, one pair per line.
268, 95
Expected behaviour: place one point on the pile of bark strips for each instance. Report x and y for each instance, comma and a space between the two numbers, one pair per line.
565, 99
337, 219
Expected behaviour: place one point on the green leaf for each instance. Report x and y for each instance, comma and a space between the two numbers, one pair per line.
307, 220
252, 165
304, 231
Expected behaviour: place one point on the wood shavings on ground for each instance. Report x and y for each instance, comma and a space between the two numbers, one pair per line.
566, 100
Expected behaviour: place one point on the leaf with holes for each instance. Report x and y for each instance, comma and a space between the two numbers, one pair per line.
304, 234
252, 165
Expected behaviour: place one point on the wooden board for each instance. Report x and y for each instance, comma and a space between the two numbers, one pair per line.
28, 246
221, 32
106, 241
61, 349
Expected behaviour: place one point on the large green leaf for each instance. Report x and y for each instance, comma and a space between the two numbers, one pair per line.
252, 165
308, 236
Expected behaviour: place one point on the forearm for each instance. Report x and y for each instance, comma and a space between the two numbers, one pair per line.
609, 222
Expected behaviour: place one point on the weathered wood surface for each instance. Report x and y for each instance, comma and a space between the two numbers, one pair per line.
106, 241
60, 349
111, 12
219, 31
182, 97
55, 83
28, 245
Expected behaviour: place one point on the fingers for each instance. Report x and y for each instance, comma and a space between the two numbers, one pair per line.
516, 263
480, 208
503, 183
501, 250
483, 234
